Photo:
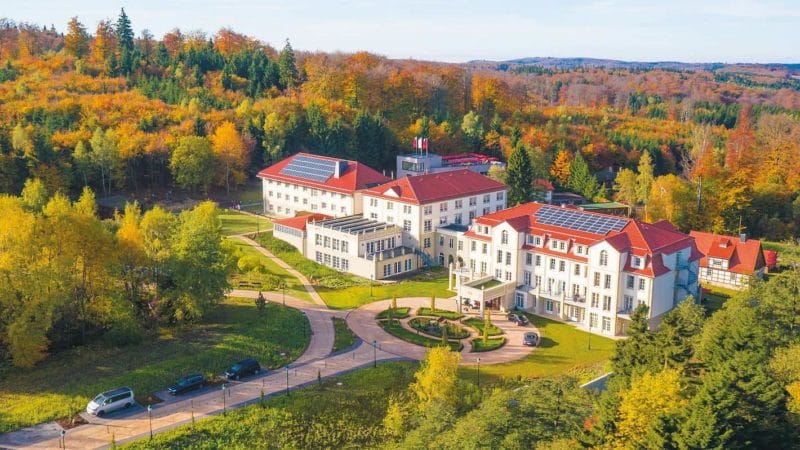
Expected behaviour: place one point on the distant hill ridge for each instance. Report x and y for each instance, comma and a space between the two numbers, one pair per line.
572, 63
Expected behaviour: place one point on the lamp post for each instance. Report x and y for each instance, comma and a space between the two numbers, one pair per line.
62, 442
590, 331
478, 360
283, 287
286, 369
375, 353
223, 399
150, 416
371, 277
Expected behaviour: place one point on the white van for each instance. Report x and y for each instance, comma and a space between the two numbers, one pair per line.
111, 401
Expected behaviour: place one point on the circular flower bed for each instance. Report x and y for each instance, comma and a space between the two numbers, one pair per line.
434, 326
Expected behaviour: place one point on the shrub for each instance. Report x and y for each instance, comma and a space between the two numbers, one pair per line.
124, 332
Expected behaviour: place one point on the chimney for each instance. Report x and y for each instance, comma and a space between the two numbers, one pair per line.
338, 168
742, 237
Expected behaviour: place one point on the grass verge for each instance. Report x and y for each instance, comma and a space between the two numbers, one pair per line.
491, 344
349, 415
345, 291
344, 336
478, 325
234, 222
63, 384
294, 287
399, 313
452, 315
397, 330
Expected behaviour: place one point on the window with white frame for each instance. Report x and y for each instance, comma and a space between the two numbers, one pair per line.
504, 237
428, 210
629, 281
606, 324
641, 284
603, 258
607, 282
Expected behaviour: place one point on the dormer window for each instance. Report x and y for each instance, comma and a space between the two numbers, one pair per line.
579, 250
637, 262
537, 241
553, 244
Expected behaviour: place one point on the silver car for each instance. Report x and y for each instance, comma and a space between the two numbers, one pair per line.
111, 401
530, 339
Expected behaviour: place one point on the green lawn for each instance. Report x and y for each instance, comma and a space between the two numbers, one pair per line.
345, 291
399, 313
491, 344
452, 315
563, 350
716, 298
63, 384
294, 287
424, 284
344, 335
234, 222
397, 330
478, 325
349, 415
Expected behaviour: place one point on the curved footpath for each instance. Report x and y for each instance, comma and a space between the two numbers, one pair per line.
133, 424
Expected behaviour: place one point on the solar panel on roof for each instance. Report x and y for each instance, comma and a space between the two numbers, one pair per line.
579, 220
310, 168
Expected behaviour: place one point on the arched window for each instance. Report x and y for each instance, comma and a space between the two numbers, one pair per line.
603, 258
504, 237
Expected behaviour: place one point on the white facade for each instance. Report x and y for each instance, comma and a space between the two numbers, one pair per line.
286, 199
420, 221
364, 247
555, 275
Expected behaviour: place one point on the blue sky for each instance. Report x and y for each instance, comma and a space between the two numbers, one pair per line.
456, 31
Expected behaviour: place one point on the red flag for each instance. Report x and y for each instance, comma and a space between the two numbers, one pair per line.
425, 144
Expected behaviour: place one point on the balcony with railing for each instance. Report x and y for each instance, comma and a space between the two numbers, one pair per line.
576, 299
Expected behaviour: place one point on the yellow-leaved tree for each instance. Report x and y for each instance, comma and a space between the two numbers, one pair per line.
436, 380
230, 153
651, 397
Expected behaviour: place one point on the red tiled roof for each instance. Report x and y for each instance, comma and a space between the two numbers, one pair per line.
299, 222
771, 258
439, 186
355, 177
743, 257
473, 235
648, 241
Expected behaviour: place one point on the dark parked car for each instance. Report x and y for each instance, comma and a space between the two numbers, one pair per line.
186, 384
530, 339
518, 319
243, 368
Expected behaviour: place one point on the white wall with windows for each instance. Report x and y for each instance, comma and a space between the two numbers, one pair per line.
282, 199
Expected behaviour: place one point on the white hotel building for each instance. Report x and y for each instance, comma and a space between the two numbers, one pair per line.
587, 268
423, 204
306, 183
